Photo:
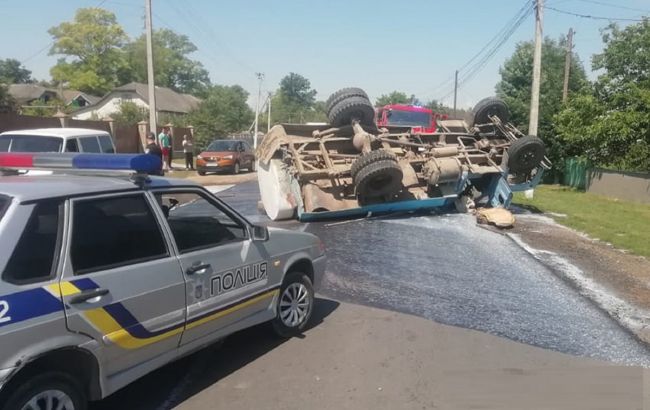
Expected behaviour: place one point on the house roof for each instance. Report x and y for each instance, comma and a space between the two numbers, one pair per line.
166, 99
24, 93
69, 95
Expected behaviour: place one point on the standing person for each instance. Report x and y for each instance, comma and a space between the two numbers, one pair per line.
153, 149
188, 149
165, 146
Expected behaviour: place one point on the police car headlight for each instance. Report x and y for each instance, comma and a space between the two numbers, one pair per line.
199, 157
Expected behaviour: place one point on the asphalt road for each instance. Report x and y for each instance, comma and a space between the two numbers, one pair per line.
448, 269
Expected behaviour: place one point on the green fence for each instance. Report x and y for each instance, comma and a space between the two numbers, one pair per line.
575, 173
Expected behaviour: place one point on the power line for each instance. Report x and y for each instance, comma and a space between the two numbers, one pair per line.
204, 31
587, 16
618, 6
496, 43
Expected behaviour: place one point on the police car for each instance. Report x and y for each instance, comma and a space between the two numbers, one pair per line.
106, 278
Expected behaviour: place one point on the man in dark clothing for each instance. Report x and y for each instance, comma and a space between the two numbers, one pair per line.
154, 149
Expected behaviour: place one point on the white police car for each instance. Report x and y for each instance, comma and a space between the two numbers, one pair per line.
106, 278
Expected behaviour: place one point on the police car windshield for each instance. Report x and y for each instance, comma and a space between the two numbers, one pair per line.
4, 204
30, 143
222, 145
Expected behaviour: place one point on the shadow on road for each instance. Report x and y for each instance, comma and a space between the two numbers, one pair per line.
178, 381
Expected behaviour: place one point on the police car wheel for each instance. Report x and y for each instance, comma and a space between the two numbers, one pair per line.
295, 305
48, 391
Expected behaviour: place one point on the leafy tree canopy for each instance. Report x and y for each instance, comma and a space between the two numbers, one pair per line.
396, 97
91, 46
609, 124
12, 72
223, 111
173, 67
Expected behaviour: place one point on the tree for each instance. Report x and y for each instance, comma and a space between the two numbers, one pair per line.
295, 101
12, 72
42, 108
297, 90
396, 97
7, 101
223, 111
130, 113
516, 80
625, 58
173, 69
610, 124
91, 46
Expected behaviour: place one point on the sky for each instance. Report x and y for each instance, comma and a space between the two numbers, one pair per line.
379, 45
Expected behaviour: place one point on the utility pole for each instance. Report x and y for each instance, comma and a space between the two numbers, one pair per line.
455, 92
260, 77
537, 68
567, 65
268, 122
150, 79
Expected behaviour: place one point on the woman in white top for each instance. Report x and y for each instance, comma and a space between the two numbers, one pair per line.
189, 153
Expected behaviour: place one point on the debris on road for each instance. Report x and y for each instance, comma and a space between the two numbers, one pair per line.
499, 217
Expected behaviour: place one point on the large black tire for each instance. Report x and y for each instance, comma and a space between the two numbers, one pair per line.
525, 154
370, 157
47, 381
488, 107
236, 168
343, 94
377, 179
282, 325
353, 108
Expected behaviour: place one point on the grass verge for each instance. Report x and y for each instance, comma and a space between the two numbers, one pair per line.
625, 225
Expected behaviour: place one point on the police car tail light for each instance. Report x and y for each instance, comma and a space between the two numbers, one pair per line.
141, 163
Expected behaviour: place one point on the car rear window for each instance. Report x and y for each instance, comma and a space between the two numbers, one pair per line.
90, 144
30, 143
106, 144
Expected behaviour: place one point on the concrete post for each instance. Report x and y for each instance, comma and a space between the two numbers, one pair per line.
63, 118
111, 124
143, 130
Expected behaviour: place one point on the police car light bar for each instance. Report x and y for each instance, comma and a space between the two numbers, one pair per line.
140, 163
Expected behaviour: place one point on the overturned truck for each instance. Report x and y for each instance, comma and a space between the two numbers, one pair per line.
351, 168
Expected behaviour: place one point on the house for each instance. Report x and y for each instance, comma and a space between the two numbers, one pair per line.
167, 101
25, 94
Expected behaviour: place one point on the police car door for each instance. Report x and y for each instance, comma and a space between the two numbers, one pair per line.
226, 272
122, 284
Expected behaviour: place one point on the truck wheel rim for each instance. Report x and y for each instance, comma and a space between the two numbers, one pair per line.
49, 400
294, 305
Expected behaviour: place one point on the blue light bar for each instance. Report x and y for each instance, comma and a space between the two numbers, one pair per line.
145, 163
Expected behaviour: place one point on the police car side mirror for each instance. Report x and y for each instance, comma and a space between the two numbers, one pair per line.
259, 233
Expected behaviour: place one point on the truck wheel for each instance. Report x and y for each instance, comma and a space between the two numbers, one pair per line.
525, 154
53, 390
488, 107
295, 305
353, 108
370, 157
378, 179
343, 94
